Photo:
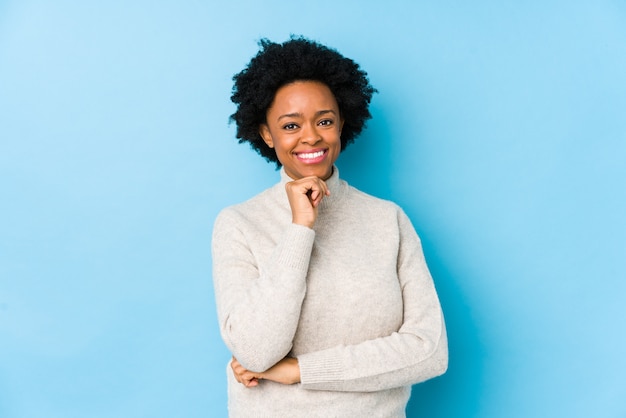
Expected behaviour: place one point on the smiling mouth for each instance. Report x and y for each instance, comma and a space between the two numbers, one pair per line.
311, 157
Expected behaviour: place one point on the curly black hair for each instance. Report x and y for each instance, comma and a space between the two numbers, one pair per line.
298, 59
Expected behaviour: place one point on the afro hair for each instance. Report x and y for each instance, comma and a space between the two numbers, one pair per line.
298, 59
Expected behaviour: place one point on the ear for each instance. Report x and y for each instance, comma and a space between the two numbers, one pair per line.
264, 131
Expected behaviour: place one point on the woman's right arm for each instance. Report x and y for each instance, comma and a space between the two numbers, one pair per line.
259, 306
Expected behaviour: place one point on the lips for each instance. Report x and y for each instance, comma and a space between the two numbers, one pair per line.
312, 157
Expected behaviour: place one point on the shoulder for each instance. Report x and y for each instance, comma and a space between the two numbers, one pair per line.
381, 210
254, 210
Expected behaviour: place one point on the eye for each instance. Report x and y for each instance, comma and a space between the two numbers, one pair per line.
326, 122
290, 126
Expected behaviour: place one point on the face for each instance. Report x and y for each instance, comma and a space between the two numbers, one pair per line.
303, 125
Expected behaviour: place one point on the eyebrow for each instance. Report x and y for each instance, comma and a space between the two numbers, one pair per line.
299, 115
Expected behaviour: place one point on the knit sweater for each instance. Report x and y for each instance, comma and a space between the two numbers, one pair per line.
352, 299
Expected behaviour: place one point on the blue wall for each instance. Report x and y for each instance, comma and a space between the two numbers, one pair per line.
499, 127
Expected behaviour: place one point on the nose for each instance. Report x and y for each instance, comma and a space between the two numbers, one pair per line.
310, 135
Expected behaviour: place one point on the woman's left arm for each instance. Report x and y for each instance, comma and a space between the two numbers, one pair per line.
417, 352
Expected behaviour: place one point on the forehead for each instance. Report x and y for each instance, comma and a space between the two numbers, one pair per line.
303, 94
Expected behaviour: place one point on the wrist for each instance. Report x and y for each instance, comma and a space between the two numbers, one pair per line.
300, 222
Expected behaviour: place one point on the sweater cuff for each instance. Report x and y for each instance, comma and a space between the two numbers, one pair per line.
294, 251
319, 369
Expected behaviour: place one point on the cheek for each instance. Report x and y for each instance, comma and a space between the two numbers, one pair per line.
338, 137
283, 144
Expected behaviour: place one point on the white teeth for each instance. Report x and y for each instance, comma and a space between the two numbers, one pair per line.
309, 155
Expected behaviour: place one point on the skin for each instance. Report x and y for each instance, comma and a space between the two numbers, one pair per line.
285, 371
303, 125
304, 118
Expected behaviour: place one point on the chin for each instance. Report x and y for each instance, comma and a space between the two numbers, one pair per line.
324, 174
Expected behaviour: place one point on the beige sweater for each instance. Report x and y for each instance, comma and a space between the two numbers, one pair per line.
351, 298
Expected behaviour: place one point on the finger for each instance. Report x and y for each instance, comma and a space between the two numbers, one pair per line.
320, 189
314, 195
319, 196
250, 379
307, 184
238, 370
323, 188
236, 366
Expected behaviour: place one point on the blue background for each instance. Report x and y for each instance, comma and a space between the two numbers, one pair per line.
499, 127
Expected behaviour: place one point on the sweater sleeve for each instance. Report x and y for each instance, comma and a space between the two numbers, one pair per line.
258, 306
416, 352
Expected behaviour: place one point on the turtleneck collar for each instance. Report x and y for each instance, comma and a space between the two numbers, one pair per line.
336, 186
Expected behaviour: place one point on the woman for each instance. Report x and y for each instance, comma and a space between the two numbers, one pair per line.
323, 295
